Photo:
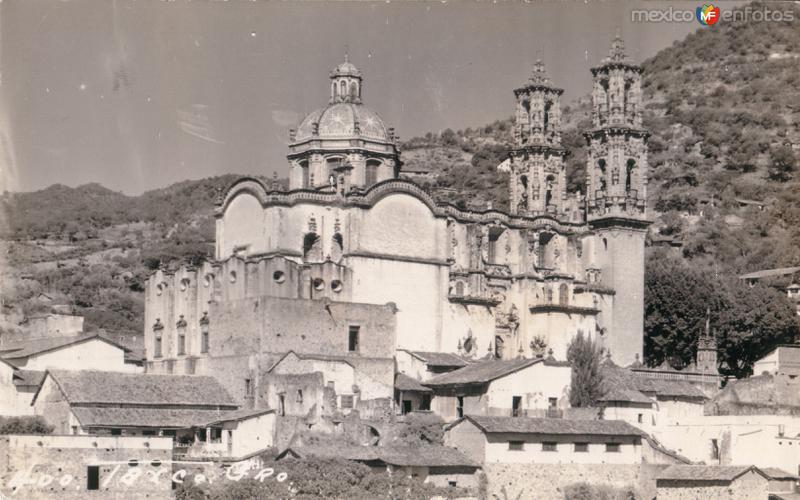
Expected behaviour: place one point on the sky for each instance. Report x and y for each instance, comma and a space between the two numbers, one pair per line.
136, 95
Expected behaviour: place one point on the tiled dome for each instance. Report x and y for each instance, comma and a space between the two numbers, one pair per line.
338, 121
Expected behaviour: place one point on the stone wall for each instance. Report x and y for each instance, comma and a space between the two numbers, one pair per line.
547, 481
747, 487
46, 467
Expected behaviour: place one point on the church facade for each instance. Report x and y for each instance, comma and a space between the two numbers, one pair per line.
351, 245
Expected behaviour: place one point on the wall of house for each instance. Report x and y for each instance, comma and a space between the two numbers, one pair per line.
535, 384
89, 355
54, 325
44, 467
674, 411
640, 415
747, 487
9, 400
468, 439
760, 440
254, 434
54, 408
444, 402
497, 449
536, 481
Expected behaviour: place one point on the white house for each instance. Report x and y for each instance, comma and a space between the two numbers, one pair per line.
517, 387
234, 435
421, 365
76, 352
545, 440
783, 360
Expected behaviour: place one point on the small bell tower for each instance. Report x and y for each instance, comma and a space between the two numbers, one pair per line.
707, 362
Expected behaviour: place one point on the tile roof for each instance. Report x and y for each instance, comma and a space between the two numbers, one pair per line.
317, 357
235, 416
32, 347
143, 417
623, 384
668, 388
766, 273
481, 372
776, 473
89, 386
403, 382
705, 472
404, 456
443, 359
424, 456
28, 377
558, 426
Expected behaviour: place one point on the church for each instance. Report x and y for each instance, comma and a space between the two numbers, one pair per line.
354, 263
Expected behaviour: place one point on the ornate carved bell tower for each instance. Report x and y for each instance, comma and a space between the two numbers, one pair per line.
537, 181
617, 161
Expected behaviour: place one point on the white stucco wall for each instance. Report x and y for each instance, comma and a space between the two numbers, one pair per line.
535, 384
90, 355
253, 434
497, 450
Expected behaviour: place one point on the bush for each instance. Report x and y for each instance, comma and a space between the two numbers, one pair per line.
586, 491
24, 425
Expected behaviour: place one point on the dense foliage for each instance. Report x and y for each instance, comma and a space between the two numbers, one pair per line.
587, 491
746, 321
586, 386
24, 425
319, 478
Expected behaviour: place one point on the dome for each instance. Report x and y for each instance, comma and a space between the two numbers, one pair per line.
338, 121
346, 69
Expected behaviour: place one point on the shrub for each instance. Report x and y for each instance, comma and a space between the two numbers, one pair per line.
24, 425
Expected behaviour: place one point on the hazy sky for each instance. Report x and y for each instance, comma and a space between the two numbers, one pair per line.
139, 94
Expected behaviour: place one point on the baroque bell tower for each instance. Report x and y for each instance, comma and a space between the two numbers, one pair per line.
616, 197
537, 180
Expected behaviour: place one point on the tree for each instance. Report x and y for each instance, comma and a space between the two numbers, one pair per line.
587, 379
24, 425
782, 164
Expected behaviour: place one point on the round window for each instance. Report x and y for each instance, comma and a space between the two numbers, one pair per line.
278, 276
318, 284
336, 286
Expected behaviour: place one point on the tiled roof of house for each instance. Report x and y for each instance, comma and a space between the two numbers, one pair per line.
481, 372
235, 416
317, 357
668, 388
759, 391
403, 382
32, 347
776, 473
622, 384
442, 359
89, 386
404, 456
424, 456
766, 273
143, 417
28, 377
558, 426
705, 472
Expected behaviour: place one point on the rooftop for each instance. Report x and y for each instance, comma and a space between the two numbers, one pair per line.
705, 472
101, 387
481, 372
404, 456
766, 273
552, 426
32, 347
403, 382
182, 418
440, 359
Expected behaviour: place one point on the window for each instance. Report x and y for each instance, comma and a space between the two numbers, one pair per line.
347, 400
281, 405
74, 430
406, 406
612, 447
640, 418
204, 338
425, 405
93, 477
352, 338
304, 174
714, 449
552, 402
494, 237
372, 173
516, 445
182, 341
148, 433
563, 294
549, 446
300, 396
116, 432
452, 484
460, 406
157, 347
248, 388
516, 406
581, 447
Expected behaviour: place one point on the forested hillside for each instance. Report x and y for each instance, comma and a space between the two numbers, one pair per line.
723, 107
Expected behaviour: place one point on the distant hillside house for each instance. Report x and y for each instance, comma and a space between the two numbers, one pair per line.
783, 360
785, 279
517, 387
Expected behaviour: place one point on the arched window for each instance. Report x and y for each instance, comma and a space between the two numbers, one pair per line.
548, 197
371, 176
494, 243
459, 288
629, 166
353, 90
158, 329
543, 256
601, 165
342, 88
498, 347
548, 295
563, 294
338, 247
546, 117
204, 335
312, 248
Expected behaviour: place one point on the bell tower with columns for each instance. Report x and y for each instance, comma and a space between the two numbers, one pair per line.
537, 180
616, 196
